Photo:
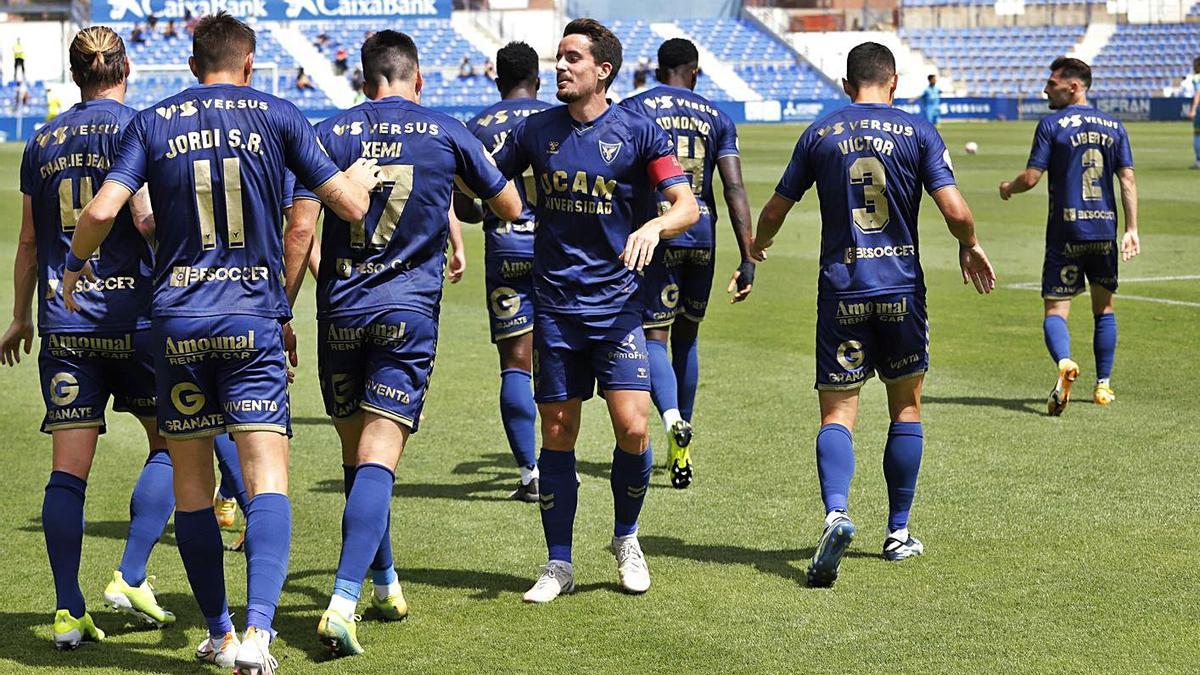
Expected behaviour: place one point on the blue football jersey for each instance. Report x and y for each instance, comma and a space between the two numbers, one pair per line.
491, 127
702, 134
215, 157
869, 161
63, 166
1081, 148
395, 257
596, 184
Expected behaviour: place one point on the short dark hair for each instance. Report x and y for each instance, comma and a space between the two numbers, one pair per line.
516, 63
389, 56
932, 77
97, 56
605, 47
1073, 69
677, 52
1196, 64
870, 63
220, 43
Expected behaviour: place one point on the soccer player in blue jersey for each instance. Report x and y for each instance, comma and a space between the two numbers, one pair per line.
214, 157
930, 101
870, 162
100, 352
677, 282
378, 298
508, 262
1082, 148
596, 168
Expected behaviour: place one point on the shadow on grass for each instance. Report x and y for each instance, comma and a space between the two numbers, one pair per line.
141, 648
106, 529
1023, 405
791, 564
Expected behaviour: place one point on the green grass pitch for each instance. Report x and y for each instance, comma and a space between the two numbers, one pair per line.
1053, 545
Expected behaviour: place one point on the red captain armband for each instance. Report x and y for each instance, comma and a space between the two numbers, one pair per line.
663, 168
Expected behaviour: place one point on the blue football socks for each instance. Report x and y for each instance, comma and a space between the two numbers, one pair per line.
268, 541
199, 541
559, 497
519, 415
686, 362
1104, 343
664, 389
901, 464
232, 485
364, 521
62, 523
1058, 338
630, 479
150, 508
835, 465
382, 564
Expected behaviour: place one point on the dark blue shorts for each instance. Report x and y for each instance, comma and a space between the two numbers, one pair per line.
572, 354
378, 361
677, 283
1068, 263
220, 373
80, 371
888, 334
509, 284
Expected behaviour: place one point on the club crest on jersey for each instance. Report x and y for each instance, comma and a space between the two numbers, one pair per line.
552, 148
609, 151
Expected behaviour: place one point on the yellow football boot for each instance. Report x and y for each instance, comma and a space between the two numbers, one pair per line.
1060, 396
1103, 394
70, 632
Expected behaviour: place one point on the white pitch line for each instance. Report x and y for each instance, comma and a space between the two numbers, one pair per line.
1037, 286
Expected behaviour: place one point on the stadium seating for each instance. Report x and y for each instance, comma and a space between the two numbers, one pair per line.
1008, 61
1143, 59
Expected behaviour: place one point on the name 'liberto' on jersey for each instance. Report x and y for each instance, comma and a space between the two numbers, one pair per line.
702, 135
1081, 148
63, 166
869, 162
492, 127
215, 158
396, 255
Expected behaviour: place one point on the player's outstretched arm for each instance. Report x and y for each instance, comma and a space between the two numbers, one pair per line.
348, 193
1130, 244
507, 204
458, 252
742, 281
24, 283
974, 263
95, 222
682, 213
1024, 182
770, 220
298, 236
467, 209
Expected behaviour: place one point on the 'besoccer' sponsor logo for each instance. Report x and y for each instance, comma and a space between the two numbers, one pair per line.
183, 276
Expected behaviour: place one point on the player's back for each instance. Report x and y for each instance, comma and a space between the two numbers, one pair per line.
702, 134
869, 162
63, 166
1081, 149
492, 127
214, 157
396, 255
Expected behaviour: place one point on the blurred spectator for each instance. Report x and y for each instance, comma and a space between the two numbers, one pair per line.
137, 36
339, 60
53, 104
639, 82
18, 61
153, 21
642, 68
357, 80
22, 95
190, 20
489, 69
465, 69
169, 32
302, 80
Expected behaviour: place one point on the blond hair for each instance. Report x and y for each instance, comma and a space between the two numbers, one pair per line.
97, 56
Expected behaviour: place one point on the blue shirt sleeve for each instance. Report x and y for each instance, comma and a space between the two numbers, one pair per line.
511, 157
1043, 139
727, 138
293, 188
797, 178
474, 167
1124, 153
936, 170
28, 174
129, 168
303, 153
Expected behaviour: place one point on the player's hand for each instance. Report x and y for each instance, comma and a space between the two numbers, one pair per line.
365, 172
758, 248
457, 266
70, 280
1130, 245
741, 283
1191, 114
20, 330
639, 247
976, 268
289, 345
1005, 190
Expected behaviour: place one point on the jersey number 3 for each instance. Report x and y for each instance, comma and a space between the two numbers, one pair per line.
868, 172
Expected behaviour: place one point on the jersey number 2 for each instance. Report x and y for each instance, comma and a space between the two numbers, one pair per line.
1093, 172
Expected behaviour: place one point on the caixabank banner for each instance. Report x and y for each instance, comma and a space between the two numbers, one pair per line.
132, 11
